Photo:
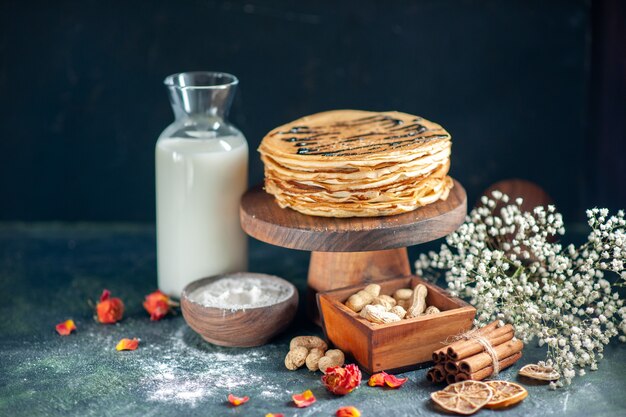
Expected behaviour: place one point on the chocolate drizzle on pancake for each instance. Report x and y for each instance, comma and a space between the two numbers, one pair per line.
364, 135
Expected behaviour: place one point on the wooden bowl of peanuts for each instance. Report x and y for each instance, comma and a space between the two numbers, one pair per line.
393, 324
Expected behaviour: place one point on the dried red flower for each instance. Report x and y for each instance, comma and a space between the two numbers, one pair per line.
65, 328
127, 344
342, 380
348, 411
109, 310
158, 305
303, 399
237, 401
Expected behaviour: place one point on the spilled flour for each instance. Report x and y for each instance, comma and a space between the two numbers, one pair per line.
185, 374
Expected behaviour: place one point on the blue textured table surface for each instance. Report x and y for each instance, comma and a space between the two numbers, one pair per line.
48, 272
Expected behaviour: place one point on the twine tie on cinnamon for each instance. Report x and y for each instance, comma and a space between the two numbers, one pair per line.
487, 346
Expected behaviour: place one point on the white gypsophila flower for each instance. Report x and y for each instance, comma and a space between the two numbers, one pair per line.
507, 264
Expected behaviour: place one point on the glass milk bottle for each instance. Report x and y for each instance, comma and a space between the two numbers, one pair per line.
201, 173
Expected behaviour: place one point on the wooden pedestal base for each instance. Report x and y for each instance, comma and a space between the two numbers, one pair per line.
331, 270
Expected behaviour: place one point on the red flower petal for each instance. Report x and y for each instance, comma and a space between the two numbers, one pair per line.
127, 344
304, 399
377, 380
348, 412
65, 328
274, 415
105, 295
393, 381
237, 401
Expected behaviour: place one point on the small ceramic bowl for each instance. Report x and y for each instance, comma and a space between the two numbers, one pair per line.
238, 328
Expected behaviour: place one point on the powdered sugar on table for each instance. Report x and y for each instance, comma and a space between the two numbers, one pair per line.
184, 374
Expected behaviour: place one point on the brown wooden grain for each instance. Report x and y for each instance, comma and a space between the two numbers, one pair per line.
402, 344
239, 328
263, 219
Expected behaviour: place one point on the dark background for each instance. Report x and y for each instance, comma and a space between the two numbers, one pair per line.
530, 88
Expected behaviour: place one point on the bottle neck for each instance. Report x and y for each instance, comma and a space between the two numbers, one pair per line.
201, 94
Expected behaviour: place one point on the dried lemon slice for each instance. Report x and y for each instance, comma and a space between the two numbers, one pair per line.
464, 397
544, 373
505, 394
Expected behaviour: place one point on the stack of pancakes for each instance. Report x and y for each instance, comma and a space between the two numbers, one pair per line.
350, 163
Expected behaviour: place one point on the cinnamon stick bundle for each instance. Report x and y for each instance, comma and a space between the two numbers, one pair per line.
487, 371
468, 359
479, 361
467, 348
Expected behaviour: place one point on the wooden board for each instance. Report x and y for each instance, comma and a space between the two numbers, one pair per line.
399, 345
263, 219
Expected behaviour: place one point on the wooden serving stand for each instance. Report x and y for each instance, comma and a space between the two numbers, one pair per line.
350, 251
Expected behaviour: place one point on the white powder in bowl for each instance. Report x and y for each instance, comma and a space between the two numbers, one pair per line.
241, 292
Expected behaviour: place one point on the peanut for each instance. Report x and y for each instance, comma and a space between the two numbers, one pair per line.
357, 301
432, 310
403, 294
385, 301
378, 314
313, 358
299, 348
405, 304
333, 357
398, 311
418, 303
373, 289
308, 342
296, 357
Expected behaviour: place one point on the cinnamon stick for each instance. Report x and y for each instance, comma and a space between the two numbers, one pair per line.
450, 379
436, 374
440, 354
483, 331
487, 371
430, 375
439, 373
451, 367
471, 347
476, 362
